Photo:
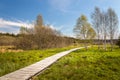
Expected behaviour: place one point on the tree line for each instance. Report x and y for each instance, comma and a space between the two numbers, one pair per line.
39, 37
104, 26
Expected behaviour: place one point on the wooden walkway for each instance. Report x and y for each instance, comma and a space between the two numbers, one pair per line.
34, 69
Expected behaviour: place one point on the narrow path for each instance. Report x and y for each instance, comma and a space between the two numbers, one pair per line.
32, 70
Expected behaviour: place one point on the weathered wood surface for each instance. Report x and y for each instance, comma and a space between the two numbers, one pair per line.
30, 71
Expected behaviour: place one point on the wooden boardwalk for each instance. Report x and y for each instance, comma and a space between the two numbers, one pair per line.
34, 69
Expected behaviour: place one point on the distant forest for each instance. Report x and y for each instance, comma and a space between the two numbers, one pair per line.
102, 31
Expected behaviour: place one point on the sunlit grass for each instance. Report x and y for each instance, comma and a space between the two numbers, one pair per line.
85, 65
11, 61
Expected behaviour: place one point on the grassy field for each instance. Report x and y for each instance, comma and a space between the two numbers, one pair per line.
11, 61
85, 65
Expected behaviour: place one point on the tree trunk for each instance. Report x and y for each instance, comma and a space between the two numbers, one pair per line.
111, 43
105, 43
98, 42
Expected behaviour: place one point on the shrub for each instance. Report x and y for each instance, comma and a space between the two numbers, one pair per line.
118, 42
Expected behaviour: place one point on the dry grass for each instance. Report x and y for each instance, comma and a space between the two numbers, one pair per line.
4, 49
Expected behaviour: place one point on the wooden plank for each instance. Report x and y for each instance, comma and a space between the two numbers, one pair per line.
29, 71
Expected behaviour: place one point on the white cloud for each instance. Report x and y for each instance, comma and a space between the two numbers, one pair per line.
59, 28
13, 26
54, 26
62, 5
13, 23
64, 29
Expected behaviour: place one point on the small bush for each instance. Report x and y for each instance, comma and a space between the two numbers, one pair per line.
118, 42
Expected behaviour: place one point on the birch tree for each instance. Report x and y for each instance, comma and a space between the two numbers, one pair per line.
112, 24
83, 29
96, 22
104, 26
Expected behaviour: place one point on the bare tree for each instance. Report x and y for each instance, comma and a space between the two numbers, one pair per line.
96, 22
23, 30
39, 21
104, 26
112, 24
41, 37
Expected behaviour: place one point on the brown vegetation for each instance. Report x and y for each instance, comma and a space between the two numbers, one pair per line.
38, 37
4, 49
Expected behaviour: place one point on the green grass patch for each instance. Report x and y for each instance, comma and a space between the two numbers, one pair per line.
85, 65
11, 61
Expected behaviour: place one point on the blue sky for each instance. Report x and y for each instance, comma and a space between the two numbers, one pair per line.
60, 14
